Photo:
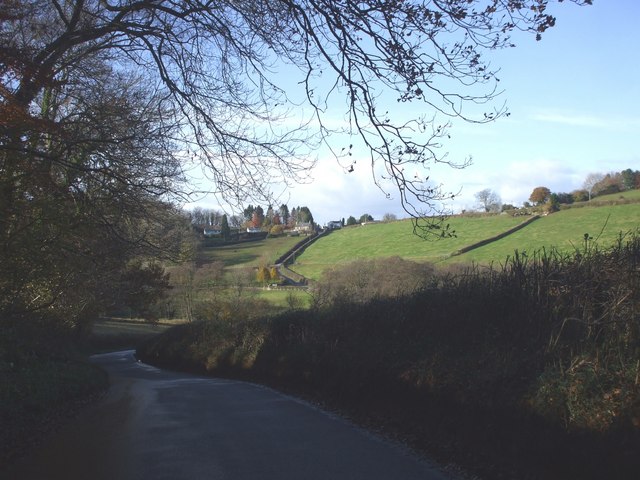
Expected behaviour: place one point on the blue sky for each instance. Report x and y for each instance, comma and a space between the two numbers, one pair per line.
574, 100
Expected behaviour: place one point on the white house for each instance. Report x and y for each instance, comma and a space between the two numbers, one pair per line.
304, 227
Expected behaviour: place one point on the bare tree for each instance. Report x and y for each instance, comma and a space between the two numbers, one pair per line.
592, 181
489, 200
220, 66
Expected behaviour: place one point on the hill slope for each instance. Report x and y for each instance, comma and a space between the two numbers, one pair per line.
565, 230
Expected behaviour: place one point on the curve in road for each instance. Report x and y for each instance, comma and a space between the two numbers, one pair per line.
155, 424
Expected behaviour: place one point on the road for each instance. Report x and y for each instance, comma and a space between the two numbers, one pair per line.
155, 424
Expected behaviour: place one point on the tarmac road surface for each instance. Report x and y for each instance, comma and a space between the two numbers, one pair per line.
154, 424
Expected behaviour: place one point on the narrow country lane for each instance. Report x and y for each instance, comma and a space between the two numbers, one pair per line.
155, 424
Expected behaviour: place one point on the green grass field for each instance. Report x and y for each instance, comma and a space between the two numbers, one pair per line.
565, 230
280, 298
250, 254
629, 195
396, 239
603, 219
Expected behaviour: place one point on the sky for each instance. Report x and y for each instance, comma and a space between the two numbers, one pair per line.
574, 103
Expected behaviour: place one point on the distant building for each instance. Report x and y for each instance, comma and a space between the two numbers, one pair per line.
212, 231
304, 227
334, 224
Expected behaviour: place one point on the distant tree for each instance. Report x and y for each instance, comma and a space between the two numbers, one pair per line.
214, 216
580, 195
263, 275
508, 207
293, 217
352, 221
184, 288
236, 221
630, 179
276, 230
553, 204
273, 274
209, 274
284, 214
591, 182
489, 200
205, 216
304, 215
224, 227
611, 183
248, 213
564, 198
294, 302
365, 217
197, 216
389, 217
539, 195
258, 217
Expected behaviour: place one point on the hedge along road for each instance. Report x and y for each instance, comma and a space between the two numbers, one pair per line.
155, 424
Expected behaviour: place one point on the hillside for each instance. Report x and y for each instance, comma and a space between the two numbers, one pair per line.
396, 239
249, 254
564, 230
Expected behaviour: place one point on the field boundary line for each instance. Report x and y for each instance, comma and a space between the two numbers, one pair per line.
500, 236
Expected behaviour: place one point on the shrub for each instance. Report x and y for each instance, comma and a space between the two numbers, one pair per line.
364, 280
262, 274
276, 231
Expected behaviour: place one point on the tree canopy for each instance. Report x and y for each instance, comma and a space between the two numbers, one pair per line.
105, 104
215, 70
539, 195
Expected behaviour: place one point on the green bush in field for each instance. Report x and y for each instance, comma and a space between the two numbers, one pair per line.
361, 281
263, 275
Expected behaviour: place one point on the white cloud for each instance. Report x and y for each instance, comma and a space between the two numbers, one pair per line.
337, 193
514, 181
590, 121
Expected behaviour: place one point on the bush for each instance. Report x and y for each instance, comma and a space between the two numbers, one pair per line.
363, 280
276, 231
